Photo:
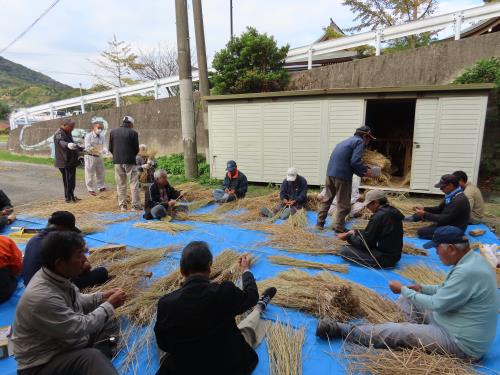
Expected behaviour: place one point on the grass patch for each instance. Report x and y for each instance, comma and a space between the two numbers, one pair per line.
7, 156
4, 138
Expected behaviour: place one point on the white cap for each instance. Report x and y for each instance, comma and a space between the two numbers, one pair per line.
291, 174
129, 119
373, 195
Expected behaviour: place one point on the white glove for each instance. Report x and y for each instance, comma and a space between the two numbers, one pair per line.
145, 166
72, 146
105, 151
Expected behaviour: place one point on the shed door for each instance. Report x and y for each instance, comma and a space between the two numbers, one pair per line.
222, 138
426, 121
460, 136
248, 125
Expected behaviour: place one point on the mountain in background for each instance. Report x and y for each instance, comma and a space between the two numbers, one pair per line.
23, 87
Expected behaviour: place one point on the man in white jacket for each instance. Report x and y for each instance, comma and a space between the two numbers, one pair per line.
57, 330
94, 164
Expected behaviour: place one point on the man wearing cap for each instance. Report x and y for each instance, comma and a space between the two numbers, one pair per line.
124, 145
458, 317
94, 165
59, 221
293, 195
345, 160
234, 187
454, 210
66, 157
380, 244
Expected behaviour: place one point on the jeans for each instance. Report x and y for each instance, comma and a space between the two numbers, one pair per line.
221, 196
69, 181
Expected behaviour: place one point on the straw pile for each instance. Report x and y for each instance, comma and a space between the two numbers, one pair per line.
299, 219
164, 226
192, 191
196, 205
410, 249
253, 206
105, 254
141, 309
287, 261
415, 361
284, 347
423, 274
313, 202
296, 240
326, 295
375, 158
144, 340
208, 218
405, 203
410, 228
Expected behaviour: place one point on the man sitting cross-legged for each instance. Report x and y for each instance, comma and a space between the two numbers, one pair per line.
458, 317
195, 325
57, 330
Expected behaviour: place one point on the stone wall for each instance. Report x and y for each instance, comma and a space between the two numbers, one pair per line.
158, 123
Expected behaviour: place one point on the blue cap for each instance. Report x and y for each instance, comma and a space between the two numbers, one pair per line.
447, 234
231, 166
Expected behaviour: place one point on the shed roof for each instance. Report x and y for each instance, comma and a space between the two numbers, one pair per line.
354, 91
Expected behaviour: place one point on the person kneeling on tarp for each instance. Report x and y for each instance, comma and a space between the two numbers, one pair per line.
457, 317
6, 211
380, 244
196, 324
293, 195
161, 198
11, 260
234, 187
59, 221
57, 330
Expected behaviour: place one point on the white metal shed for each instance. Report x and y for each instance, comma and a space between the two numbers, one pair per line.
268, 132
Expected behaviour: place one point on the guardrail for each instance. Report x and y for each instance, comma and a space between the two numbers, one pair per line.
381, 35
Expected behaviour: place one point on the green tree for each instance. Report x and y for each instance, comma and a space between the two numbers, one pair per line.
4, 110
483, 71
373, 14
252, 62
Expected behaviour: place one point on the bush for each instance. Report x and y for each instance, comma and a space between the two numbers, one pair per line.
174, 165
483, 71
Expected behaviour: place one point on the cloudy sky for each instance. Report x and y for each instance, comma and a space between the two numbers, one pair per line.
62, 43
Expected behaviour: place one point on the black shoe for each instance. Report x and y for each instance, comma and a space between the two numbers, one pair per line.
266, 297
69, 201
341, 230
76, 199
327, 329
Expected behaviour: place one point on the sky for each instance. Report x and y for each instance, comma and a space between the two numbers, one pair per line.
74, 32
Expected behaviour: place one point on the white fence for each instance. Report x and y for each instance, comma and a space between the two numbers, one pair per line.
436, 23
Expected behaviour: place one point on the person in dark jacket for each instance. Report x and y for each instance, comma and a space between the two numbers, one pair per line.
124, 145
454, 210
161, 198
66, 157
345, 160
196, 326
234, 187
6, 211
380, 244
59, 221
293, 195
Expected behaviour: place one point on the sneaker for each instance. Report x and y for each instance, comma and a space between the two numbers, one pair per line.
102, 189
93, 193
266, 297
328, 329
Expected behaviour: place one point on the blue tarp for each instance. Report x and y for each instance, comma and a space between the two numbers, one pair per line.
319, 357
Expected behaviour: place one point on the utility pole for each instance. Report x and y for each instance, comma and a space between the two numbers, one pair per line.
186, 90
231, 16
201, 52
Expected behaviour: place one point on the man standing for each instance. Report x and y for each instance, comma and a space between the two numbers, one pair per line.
66, 157
57, 330
474, 196
94, 165
345, 160
234, 187
124, 145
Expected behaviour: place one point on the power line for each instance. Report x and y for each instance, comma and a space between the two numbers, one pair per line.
29, 27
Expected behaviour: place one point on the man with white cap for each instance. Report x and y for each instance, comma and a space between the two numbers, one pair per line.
293, 195
380, 244
124, 145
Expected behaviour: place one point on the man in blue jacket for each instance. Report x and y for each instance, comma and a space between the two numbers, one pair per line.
457, 317
234, 187
345, 160
293, 195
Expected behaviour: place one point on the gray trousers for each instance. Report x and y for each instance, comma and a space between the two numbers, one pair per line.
253, 328
221, 196
87, 361
122, 173
94, 173
421, 331
159, 211
335, 187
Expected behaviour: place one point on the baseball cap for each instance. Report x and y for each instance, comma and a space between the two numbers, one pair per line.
291, 174
65, 219
230, 165
365, 130
446, 234
129, 119
373, 195
447, 179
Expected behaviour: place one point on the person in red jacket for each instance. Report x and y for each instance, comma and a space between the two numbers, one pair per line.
11, 260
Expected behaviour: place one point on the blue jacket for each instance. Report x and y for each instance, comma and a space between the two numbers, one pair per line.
32, 260
294, 190
346, 159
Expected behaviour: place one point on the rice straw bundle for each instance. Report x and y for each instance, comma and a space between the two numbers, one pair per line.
209, 218
284, 347
313, 203
296, 240
326, 295
164, 226
414, 361
410, 249
405, 203
288, 261
423, 274
192, 191
226, 266
143, 341
254, 205
196, 205
105, 254
299, 219
375, 158
410, 228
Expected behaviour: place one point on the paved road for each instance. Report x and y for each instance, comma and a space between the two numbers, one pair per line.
25, 183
